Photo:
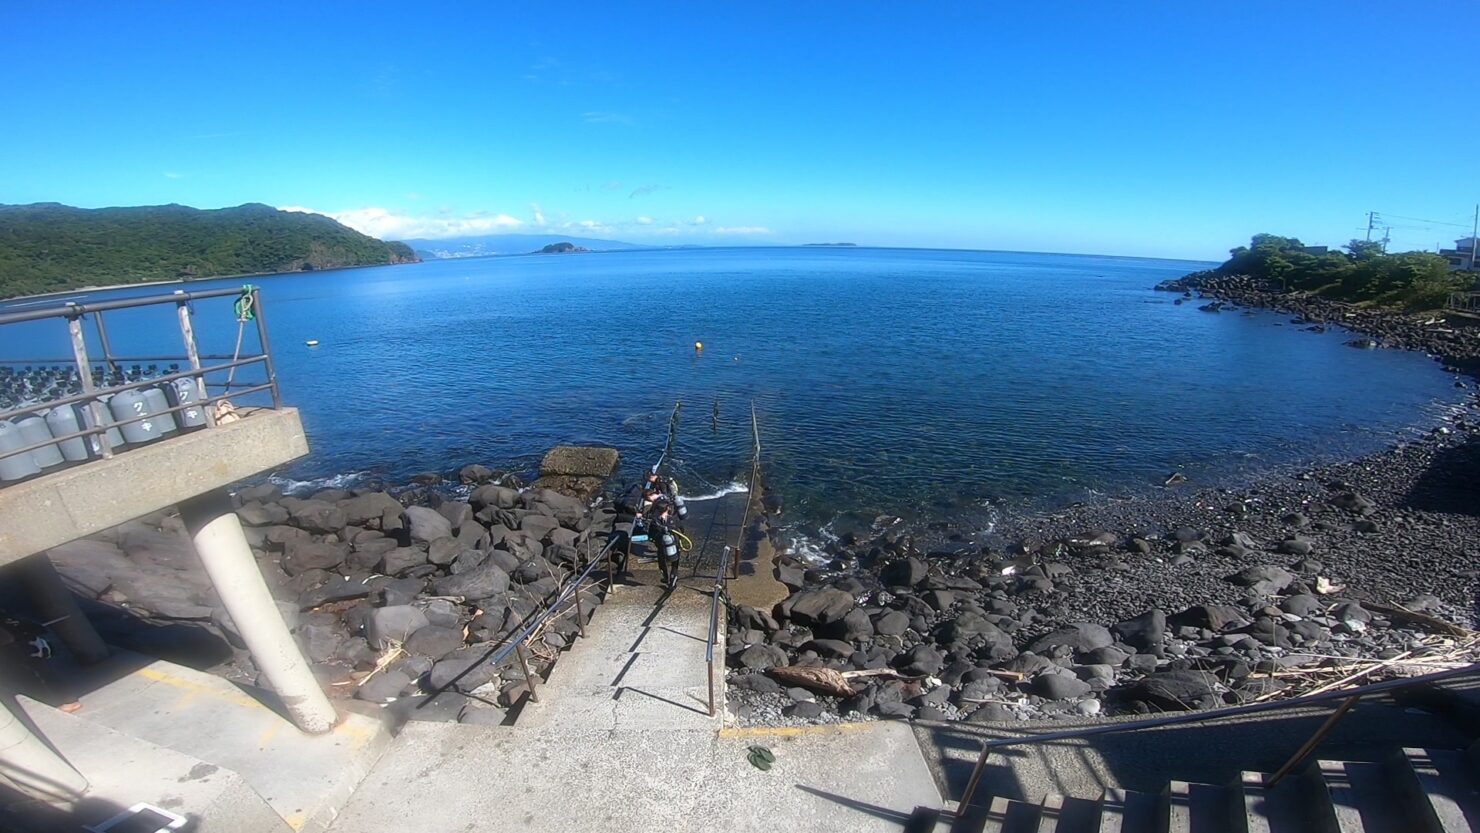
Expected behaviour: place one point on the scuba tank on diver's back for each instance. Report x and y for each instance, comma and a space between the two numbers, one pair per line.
679, 507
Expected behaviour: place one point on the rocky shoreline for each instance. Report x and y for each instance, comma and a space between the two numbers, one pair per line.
1190, 599
394, 597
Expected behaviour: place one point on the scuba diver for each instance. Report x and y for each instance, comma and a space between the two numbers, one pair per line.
658, 511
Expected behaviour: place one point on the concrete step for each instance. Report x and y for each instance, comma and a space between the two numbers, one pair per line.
1059, 814
306, 779
1128, 811
1442, 786
1365, 798
1004, 815
1283, 808
641, 665
1197, 808
123, 771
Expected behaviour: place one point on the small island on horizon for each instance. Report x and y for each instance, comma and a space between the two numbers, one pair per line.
831, 245
561, 248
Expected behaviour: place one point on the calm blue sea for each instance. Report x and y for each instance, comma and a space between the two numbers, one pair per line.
927, 384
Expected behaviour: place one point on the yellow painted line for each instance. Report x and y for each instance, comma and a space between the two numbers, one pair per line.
193, 688
296, 821
791, 731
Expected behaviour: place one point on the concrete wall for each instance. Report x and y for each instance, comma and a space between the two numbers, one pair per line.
56, 508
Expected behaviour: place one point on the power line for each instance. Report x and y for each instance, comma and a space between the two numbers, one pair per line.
1386, 215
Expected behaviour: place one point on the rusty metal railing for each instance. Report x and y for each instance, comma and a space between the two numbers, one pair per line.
96, 421
1348, 696
1467, 302
516, 644
729, 563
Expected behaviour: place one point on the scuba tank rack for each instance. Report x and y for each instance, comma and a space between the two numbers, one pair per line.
70, 411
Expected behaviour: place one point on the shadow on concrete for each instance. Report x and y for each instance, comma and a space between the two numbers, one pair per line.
135, 642
918, 820
1211, 753
20, 813
659, 698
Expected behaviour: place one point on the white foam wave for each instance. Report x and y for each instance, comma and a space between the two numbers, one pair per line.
289, 486
733, 488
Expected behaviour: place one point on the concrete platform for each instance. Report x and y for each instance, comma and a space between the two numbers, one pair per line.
305, 779
622, 741
641, 665
75, 502
123, 771
446, 777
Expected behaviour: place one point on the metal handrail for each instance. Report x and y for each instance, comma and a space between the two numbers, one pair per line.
672, 435
727, 563
1350, 694
713, 639
515, 644
72, 310
97, 422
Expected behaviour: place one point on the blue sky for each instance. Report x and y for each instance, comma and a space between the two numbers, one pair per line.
1165, 129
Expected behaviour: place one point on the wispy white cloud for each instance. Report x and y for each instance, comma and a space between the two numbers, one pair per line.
390, 225
539, 216
173, 175
700, 220
644, 221
597, 117
741, 230
644, 190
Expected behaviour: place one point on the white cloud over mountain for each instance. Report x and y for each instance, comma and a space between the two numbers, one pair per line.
388, 224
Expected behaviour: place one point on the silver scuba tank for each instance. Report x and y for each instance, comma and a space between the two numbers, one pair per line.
130, 404
184, 392
64, 420
158, 404
669, 545
33, 430
16, 466
115, 436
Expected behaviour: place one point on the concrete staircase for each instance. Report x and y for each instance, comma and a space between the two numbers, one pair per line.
621, 741
641, 665
1413, 791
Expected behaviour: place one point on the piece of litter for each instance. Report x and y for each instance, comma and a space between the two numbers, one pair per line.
761, 758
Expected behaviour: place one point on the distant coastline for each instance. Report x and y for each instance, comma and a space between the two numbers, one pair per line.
5, 302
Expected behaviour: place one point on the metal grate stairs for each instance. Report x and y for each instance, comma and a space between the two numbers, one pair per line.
1413, 791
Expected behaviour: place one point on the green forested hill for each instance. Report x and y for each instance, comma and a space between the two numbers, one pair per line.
47, 247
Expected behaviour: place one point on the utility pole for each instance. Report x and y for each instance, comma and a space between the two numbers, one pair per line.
1386, 236
1371, 224
1474, 244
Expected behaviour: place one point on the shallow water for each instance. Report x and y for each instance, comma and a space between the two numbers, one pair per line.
928, 384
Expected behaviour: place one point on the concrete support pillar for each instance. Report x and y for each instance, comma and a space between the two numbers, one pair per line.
31, 766
228, 560
56, 606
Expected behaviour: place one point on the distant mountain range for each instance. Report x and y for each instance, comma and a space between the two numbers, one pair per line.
509, 244
49, 247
